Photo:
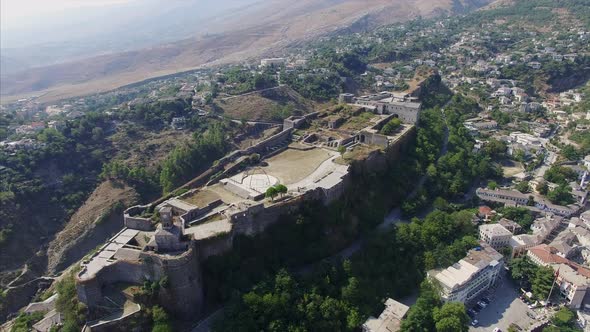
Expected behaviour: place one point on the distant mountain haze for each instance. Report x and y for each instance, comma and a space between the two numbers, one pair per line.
55, 36
96, 48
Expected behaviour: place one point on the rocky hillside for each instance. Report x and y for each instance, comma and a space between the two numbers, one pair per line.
91, 225
262, 29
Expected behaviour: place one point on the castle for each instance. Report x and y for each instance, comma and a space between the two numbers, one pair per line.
169, 238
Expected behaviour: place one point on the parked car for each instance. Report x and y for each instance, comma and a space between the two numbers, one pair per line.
497, 329
482, 304
475, 322
485, 300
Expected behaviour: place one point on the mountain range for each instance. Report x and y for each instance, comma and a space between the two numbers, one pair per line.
161, 38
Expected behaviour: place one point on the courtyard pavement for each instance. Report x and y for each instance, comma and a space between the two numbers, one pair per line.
505, 308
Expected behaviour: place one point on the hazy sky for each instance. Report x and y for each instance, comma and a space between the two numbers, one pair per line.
22, 12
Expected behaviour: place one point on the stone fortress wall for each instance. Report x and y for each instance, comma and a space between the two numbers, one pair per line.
184, 296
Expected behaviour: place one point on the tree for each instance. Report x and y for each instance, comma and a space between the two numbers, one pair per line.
522, 270
420, 315
391, 126
451, 317
570, 152
531, 201
561, 195
161, 320
271, 193
564, 318
523, 187
281, 189
495, 149
440, 204
449, 324
542, 282
542, 188
492, 185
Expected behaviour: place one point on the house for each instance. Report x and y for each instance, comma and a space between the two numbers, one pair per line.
511, 197
389, 320
178, 123
534, 64
485, 212
471, 276
519, 244
510, 225
273, 62
544, 226
32, 128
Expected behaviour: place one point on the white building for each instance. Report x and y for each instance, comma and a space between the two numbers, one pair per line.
389, 320
273, 62
469, 277
495, 235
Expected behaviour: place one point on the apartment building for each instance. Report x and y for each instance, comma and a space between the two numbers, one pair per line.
495, 235
466, 279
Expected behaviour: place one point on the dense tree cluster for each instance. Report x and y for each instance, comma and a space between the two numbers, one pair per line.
537, 279
348, 293
522, 216
187, 160
58, 174
561, 175
238, 81
451, 175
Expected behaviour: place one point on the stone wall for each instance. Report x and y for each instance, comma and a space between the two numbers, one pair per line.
378, 161
264, 146
215, 246
183, 296
184, 293
132, 220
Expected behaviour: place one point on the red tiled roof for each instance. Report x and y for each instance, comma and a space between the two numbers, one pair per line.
485, 210
548, 255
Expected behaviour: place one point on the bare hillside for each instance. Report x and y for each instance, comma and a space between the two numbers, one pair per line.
264, 105
265, 28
